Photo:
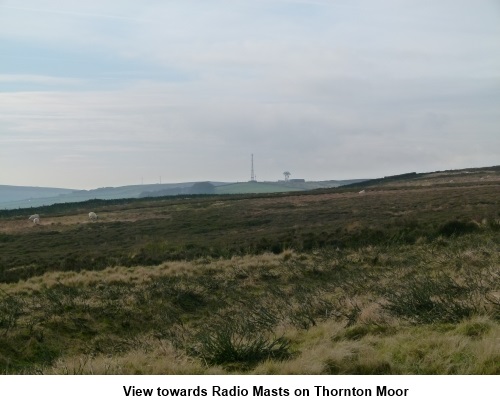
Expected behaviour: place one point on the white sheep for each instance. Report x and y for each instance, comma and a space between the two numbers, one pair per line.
32, 217
36, 221
362, 192
92, 216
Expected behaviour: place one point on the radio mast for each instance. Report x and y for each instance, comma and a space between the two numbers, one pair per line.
252, 173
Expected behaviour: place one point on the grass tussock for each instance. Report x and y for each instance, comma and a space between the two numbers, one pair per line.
433, 308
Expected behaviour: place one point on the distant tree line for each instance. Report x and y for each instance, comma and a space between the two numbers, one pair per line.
203, 187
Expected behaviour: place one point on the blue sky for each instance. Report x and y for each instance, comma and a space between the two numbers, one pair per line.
109, 93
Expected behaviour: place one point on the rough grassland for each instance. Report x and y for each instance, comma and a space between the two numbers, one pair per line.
402, 279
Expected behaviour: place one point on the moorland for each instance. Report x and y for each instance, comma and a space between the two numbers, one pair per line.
398, 275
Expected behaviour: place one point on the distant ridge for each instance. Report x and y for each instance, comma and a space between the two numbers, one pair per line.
12, 197
387, 179
38, 197
26, 197
414, 178
15, 193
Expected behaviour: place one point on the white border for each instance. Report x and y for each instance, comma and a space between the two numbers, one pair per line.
75, 390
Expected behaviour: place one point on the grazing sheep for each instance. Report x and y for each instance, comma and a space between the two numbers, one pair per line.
32, 217
36, 221
362, 192
92, 216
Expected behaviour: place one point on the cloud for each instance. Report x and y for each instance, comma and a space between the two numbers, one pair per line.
351, 89
38, 79
70, 13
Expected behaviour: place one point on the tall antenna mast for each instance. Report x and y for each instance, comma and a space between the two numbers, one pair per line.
252, 174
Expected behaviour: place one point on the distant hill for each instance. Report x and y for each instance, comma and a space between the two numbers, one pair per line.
17, 193
280, 186
204, 187
254, 187
12, 197
479, 175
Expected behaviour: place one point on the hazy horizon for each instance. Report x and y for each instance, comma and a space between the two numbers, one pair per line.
171, 183
111, 93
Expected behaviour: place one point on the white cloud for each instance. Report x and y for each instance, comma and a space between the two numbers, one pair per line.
351, 89
34, 79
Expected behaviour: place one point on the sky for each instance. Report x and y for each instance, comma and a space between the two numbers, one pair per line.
119, 92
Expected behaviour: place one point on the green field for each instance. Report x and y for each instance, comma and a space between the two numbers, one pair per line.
402, 278
254, 187
278, 187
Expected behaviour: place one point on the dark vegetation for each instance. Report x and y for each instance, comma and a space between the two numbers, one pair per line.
203, 187
229, 314
223, 226
388, 179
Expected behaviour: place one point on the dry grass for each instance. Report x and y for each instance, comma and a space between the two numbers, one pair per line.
58, 223
325, 349
330, 348
153, 357
145, 274
330, 306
